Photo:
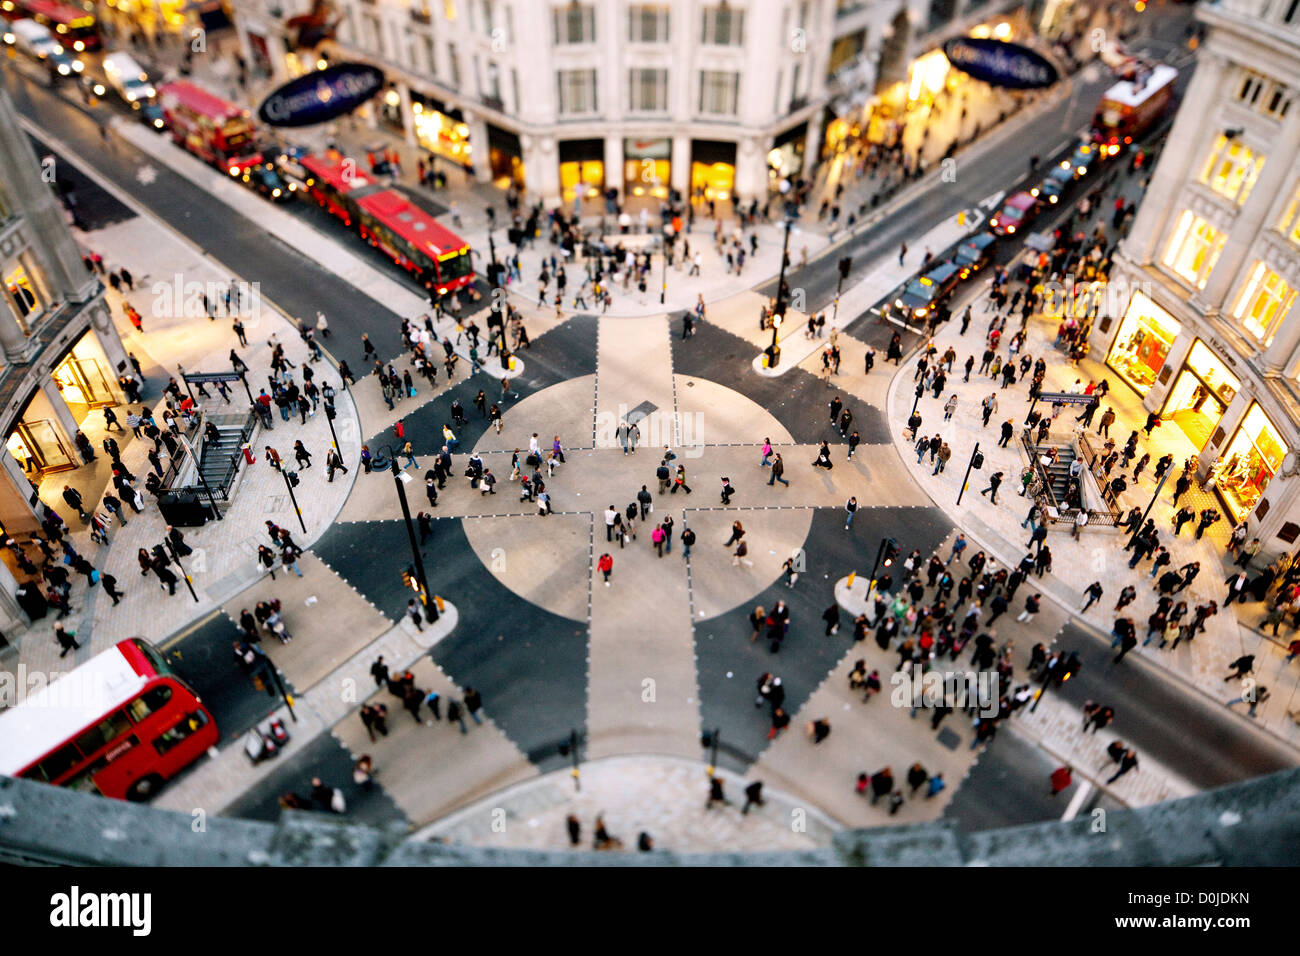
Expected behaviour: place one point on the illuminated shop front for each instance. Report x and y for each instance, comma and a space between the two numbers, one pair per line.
1201, 394
83, 378
505, 157
785, 158
713, 169
439, 130
1249, 463
1143, 342
647, 167
582, 168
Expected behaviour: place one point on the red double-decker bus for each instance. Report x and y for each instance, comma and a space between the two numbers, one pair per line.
72, 25
120, 725
439, 259
216, 131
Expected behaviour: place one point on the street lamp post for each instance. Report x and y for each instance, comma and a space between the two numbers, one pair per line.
430, 607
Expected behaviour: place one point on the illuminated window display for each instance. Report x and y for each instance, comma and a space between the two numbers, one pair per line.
1143, 342
1249, 463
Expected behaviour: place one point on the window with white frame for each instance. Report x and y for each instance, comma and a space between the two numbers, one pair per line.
1264, 302
1277, 101
1193, 249
576, 91
373, 34
718, 92
493, 80
1232, 168
454, 60
647, 90
575, 23
723, 26
430, 54
1289, 224
647, 24
1252, 85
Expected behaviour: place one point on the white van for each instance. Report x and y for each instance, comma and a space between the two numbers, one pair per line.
126, 77
31, 38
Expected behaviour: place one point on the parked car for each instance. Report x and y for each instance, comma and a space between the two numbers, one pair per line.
1019, 209
972, 255
927, 292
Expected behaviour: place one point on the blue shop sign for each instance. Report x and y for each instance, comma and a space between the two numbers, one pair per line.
321, 96
1001, 64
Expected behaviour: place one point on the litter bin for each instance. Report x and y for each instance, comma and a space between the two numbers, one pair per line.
183, 509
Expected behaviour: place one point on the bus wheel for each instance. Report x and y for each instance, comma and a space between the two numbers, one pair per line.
144, 788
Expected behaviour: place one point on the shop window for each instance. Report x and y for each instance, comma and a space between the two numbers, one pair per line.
1142, 343
24, 295
1289, 224
647, 24
575, 23
577, 91
449, 10
1264, 302
647, 90
1193, 249
1232, 169
581, 178
718, 92
712, 180
723, 26
36, 446
1249, 463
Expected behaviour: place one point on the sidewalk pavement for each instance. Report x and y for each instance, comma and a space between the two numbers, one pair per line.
223, 562
1098, 554
662, 796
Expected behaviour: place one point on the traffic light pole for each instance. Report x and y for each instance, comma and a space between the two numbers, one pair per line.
175, 555
292, 497
969, 468
430, 606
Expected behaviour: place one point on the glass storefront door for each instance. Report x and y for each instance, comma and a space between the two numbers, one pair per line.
1249, 463
1201, 394
1142, 343
37, 447
82, 381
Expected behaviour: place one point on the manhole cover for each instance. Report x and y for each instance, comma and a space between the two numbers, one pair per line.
949, 738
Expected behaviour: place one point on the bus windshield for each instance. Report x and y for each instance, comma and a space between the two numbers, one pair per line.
455, 267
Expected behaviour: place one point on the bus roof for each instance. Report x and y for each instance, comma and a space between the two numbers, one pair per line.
61, 12
199, 100
411, 222
1125, 94
62, 709
334, 174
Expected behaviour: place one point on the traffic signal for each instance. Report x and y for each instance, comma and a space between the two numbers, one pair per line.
891, 551
846, 263
329, 411
706, 739
293, 478
408, 578
977, 460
